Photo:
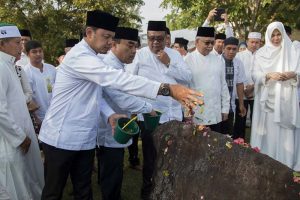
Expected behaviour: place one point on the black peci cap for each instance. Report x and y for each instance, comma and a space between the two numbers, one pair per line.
100, 19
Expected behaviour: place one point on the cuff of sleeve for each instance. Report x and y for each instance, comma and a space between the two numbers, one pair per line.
155, 89
148, 107
18, 141
225, 110
107, 112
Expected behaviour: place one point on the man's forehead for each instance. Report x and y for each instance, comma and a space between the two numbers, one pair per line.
156, 33
206, 38
231, 46
37, 49
129, 41
254, 39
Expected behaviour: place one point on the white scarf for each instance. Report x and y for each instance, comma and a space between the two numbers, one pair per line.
280, 97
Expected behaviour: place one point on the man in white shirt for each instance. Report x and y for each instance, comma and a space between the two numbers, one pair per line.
247, 58
69, 129
25, 37
219, 44
41, 78
226, 25
209, 77
235, 78
21, 174
180, 44
158, 63
111, 170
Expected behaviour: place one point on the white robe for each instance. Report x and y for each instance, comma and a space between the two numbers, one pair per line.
205, 71
21, 176
276, 109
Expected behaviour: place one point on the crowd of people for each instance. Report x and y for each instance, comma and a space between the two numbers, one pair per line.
69, 112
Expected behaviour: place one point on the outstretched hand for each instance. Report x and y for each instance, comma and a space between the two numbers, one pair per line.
187, 97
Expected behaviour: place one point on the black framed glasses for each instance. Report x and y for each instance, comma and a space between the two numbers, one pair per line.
207, 43
156, 38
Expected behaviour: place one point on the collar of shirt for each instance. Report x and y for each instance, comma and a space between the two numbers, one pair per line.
111, 57
226, 60
84, 43
35, 68
200, 54
8, 58
216, 51
248, 51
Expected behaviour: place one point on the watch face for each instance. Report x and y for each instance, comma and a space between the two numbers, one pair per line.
165, 91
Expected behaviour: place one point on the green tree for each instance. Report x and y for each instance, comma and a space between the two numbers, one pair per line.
245, 15
52, 21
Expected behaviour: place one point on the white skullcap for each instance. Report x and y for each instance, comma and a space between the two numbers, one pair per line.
9, 31
254, 35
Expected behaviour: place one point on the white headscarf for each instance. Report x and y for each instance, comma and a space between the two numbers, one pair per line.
280, 96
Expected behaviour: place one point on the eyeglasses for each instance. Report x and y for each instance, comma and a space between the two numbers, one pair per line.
158, 38
207, 43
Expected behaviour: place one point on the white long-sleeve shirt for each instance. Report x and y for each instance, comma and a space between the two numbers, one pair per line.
41, 84
121, 103
72, 119
147, 64
24, 82
209, 77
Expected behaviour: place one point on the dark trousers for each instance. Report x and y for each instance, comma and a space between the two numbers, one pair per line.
149, 156
240, 122
227, 125
111, 172
133, 150
215, 127
59, 163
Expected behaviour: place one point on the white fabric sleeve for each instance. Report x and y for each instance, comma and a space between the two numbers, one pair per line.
92, 68
8, 128
26, 86
105, 110
179, 70
241, 76
228, 31
206, 23
225, 96
128, 102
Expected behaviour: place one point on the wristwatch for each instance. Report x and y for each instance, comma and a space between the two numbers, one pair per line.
164, 89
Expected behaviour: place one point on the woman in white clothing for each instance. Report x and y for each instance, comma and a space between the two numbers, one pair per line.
276, 114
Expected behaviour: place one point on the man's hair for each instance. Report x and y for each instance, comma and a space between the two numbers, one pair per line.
33, 44
85, 27
182, 45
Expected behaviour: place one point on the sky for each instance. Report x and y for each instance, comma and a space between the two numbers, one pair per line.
152, 11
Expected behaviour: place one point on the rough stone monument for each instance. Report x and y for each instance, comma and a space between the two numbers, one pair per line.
194, 164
